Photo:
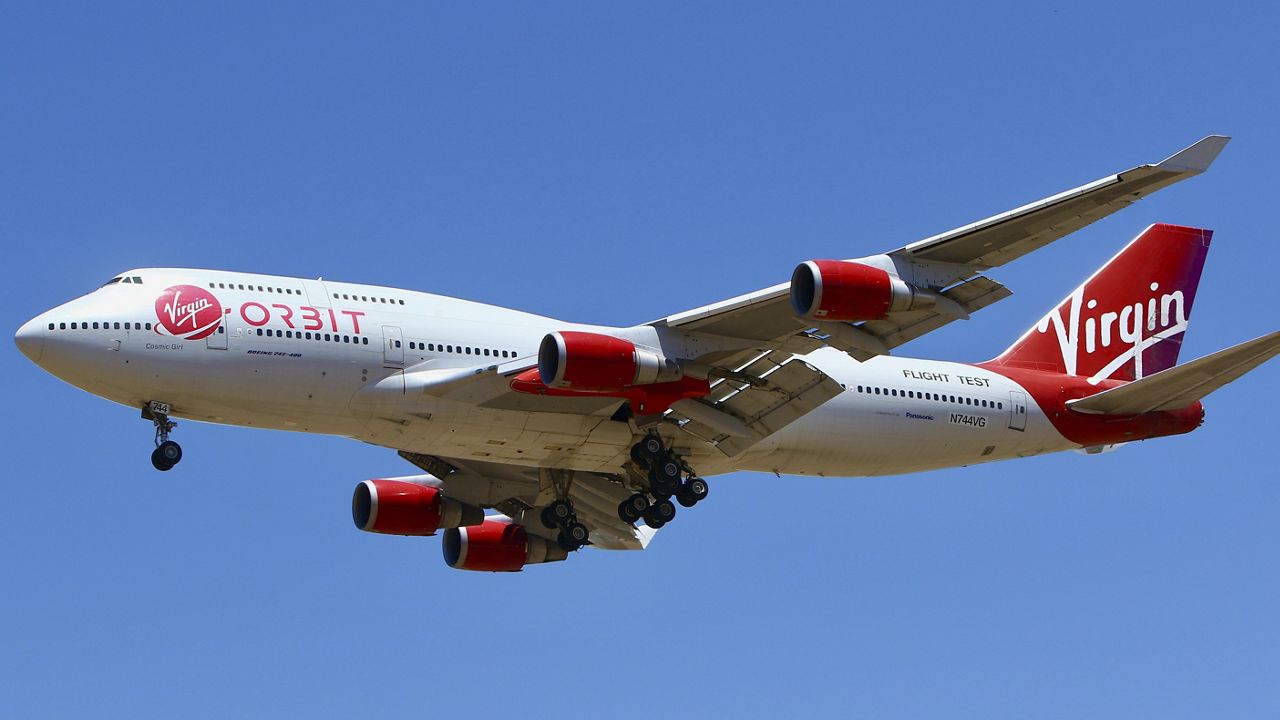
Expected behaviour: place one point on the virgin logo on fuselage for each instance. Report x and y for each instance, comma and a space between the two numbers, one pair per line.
1134, 328
188, 312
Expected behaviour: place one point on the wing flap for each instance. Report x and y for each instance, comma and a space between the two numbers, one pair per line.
1182, 385
791, 388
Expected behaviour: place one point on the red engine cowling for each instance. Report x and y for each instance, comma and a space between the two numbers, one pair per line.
398, 507
591, 361
842, 291
497, 546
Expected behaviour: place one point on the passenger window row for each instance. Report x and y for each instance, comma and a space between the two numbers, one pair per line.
300, 335
937, 397
251, 287
367, 298
460, 349
100, 326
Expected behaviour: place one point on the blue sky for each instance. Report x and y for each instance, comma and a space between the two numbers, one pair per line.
615, 163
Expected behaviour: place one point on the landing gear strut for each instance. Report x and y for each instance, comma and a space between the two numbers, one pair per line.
167, 452
560, 514
668, 475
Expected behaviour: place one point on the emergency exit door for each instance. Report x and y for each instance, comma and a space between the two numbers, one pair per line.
392, 346
1017, 410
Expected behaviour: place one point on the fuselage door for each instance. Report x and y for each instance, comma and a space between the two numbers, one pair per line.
1017, 410
218, 340
317, 294
392, 347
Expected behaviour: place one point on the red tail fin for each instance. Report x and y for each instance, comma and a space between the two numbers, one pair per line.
1128, 320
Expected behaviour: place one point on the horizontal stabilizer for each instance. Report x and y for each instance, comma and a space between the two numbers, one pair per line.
1182, 385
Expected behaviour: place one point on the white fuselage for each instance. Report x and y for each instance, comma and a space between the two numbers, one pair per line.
329, 357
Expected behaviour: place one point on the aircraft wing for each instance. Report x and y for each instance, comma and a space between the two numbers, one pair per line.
950, 262
751, 337
997, 240
489, 385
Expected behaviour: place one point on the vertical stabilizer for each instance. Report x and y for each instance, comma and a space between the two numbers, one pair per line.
1128, 320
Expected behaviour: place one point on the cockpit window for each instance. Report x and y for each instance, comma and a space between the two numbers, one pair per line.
125, 279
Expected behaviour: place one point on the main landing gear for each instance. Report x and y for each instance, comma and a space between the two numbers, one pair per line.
560, 514
669, 476
167, 452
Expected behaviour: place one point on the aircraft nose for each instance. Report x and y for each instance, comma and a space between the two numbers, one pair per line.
30, 339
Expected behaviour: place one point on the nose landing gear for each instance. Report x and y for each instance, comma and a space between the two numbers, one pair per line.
167, 453
668, 475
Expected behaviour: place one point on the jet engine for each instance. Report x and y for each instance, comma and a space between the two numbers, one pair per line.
398, 507
497, 546
591, 361
842, 291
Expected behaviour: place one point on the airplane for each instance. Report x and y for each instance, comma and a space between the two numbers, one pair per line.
538, 437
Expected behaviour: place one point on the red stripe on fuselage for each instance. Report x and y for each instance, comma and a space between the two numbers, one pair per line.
1051, 391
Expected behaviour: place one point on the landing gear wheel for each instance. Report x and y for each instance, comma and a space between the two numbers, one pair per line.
548, 520
696, 488
170, 451
633, 508
662, 481
560, 512
158, 462
662, 512
639, 458
573, 537
651, 447
166, 455
685, 499
669, 468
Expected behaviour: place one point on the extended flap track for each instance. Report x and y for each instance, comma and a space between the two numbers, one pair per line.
782, 390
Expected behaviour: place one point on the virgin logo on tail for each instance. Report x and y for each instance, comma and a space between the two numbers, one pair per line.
1134, 328
1128, 319
188, 312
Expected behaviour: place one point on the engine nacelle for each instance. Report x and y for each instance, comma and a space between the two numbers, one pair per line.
397, 507
497, 546
841, 291
591, 361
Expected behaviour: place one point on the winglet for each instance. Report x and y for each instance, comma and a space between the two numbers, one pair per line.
1198, 157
